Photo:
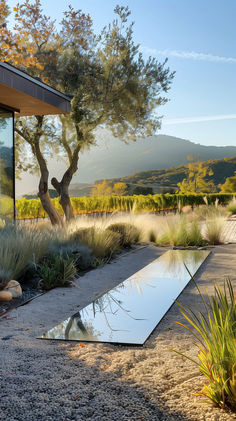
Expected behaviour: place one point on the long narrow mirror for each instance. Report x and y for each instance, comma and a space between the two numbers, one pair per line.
129, 313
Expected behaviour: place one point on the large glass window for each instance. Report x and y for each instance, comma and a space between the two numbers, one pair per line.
6, 164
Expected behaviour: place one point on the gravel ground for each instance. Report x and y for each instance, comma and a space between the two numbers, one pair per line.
60, 381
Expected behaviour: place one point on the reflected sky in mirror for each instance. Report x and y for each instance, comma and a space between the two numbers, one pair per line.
129, 313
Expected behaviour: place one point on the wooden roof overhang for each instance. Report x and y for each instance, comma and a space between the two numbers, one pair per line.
26, 95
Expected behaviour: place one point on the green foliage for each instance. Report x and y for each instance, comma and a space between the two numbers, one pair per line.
83, 256
140, 203
103, 243
57, 270
113, 87
196, 180
107, 189
229, 186
129, 234
215, 331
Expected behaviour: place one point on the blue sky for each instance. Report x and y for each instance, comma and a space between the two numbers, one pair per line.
198, 37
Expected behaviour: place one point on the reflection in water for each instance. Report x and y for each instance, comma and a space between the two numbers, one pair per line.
130, 312
6, 164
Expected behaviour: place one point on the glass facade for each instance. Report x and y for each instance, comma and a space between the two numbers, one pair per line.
6, 164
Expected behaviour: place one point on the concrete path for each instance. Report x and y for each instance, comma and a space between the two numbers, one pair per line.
229, 232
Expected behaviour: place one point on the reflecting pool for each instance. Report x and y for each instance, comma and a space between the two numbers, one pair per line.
129, 313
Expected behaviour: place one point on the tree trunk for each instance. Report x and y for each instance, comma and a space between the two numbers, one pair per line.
62, 187
49, 208
43, 192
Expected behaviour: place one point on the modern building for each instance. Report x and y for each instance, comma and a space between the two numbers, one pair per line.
20, 95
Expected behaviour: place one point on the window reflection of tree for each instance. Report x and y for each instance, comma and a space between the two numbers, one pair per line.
6, 166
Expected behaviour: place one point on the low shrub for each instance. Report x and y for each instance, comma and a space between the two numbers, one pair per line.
83, 255
215, 332
103, 243
57, 270
129, 234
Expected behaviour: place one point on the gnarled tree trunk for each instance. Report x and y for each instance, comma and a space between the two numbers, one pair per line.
62, 187
43, 192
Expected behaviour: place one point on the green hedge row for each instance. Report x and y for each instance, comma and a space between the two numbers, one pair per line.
32, 208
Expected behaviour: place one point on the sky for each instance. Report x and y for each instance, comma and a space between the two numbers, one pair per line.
198, 37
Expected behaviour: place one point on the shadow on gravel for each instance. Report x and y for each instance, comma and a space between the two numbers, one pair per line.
55, 383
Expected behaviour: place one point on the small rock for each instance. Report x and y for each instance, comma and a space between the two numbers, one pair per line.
14, 288
5, 296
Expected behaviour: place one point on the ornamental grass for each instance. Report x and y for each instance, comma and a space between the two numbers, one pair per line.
215, 333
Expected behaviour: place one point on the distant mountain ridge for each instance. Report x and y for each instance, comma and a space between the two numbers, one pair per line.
113, 158
116, 159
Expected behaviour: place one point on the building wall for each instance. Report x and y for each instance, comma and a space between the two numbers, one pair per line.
6, 164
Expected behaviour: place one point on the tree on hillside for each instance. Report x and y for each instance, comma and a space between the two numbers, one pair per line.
101, 189
106, 189
113, 87
229, 186
196, 181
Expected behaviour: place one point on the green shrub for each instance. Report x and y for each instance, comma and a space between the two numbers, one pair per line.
215, 331
103, 243
83, 255
129, 234
56, 271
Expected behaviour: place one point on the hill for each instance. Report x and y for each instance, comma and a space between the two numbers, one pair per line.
167, 179
113, 158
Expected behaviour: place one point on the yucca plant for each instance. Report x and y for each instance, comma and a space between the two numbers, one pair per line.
57, 270
215, 333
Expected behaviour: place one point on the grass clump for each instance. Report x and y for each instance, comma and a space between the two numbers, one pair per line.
213, 230
215, 331
57, 270
129, 234
103, 243
179, 231
204, 212
4, 278
19, 246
